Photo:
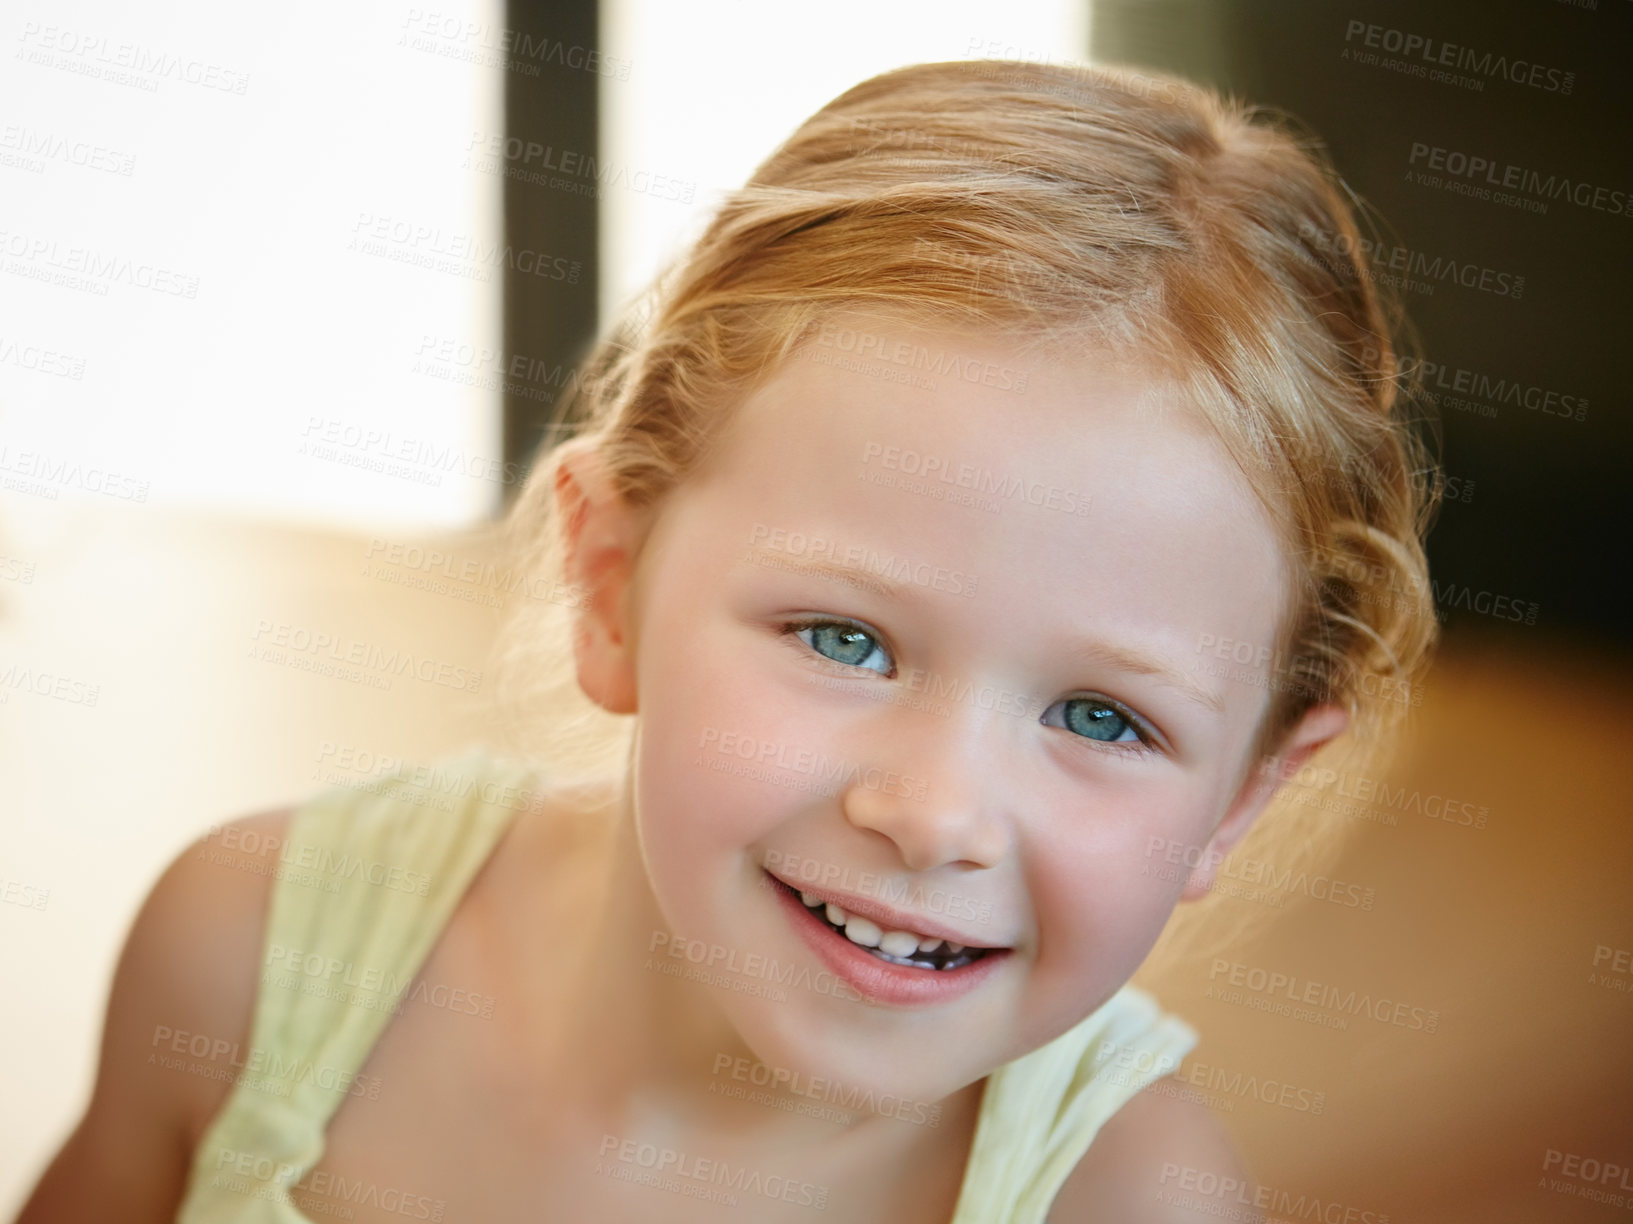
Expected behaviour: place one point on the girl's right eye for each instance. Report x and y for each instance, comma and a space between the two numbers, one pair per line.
842, 642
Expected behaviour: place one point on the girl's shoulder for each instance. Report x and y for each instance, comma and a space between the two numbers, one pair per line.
395, 858
180, 1018
205, 925
1150, 1162
184, 989
375, 898
1081, 1125
411, 848
182, 999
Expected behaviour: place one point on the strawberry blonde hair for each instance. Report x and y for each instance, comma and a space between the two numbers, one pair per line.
1061, 208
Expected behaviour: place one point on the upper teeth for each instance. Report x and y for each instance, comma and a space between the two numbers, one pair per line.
869, 934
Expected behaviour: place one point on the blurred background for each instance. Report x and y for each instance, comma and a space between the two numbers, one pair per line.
287, 307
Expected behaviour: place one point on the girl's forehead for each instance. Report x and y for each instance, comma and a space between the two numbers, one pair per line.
893, 405
1077, 479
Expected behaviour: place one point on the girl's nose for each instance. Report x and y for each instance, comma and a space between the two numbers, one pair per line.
933, 790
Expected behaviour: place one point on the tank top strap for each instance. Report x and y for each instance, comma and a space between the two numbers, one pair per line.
1040, 1112
367, 878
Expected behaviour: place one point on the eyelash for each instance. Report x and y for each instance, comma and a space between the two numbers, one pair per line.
1147, 740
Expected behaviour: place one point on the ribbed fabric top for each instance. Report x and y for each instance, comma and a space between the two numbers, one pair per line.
368, 878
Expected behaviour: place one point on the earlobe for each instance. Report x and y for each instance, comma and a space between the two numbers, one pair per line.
1319, 726
599, 547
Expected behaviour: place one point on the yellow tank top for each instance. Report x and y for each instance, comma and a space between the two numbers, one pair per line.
369, 875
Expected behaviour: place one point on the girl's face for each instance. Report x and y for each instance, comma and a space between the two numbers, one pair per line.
937, 630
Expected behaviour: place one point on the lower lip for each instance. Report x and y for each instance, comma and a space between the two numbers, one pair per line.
876, 980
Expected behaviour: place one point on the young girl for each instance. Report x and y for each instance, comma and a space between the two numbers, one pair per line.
909, 521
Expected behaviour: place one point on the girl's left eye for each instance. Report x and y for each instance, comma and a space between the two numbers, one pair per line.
1092, 717
842, 642
1102, 720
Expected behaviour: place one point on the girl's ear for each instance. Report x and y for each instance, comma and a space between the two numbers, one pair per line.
1319, 726
600, 543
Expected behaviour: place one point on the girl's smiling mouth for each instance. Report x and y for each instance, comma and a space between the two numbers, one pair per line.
874, 956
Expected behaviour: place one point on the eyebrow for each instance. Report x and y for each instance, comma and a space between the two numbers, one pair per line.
1095, 653
850, 575
1105, 654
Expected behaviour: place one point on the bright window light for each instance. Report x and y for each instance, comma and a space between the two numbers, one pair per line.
715, 85
250, 246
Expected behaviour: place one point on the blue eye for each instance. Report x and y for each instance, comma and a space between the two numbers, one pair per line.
1095, 718
842, 642
1102, 720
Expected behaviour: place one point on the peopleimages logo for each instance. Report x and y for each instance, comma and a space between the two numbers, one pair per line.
1275, 986
847, 1097
1437, 53
1491, 179
88, 269
125, 63
1344, 785
462, 254
982, 480
570, 170
866, 563
1177, 859
1588, 1169
339, 649
1211, 1194
1406, 269
667, 1166
170, 1044
321, 859
34, 148
1476, 391
249, 1173
456, 36
865, 345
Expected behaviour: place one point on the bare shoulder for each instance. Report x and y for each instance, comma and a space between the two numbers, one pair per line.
179, 1011
1147, 1160
192, 961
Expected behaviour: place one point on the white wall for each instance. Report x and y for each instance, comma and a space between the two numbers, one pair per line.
713, 86
184, 289
246, 185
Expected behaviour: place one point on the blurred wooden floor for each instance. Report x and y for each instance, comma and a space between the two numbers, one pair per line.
1498, 928
1494, 928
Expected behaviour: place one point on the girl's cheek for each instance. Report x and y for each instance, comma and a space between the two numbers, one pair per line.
1110, 893
722, 743
1093, 943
